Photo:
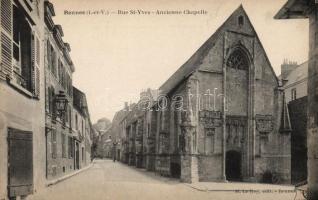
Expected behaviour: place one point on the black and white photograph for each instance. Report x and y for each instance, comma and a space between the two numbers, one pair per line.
158, 99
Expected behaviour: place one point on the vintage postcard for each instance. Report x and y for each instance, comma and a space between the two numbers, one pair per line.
158, 99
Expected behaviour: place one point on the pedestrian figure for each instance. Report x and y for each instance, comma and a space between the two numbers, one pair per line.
114, 151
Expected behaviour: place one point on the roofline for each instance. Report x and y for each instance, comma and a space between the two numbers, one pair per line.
262, 47
205, 45
295, 83
283, 13
214, 35
283, 9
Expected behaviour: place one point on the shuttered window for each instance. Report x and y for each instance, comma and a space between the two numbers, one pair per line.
6, 56
23, 71
70, 147
47, 103
63, 146
60, 71
49, 55
16, 39
35, 66
54, 144
51, 99
6, 15
38, 52
6, 39
53, 60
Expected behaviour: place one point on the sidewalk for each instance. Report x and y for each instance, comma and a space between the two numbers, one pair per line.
53, 182
240, 187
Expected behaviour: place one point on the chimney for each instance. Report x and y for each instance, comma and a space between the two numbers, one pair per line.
286, 68
143, 94
126, 107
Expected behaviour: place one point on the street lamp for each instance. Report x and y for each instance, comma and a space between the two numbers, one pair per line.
61, 103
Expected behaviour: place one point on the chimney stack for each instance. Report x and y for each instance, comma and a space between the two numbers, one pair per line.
126, 107
286, 68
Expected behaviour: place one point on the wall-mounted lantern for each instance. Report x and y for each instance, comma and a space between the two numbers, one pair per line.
61, 103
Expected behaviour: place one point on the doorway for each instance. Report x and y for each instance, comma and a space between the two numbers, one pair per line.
77, 156
233, 166
20, 163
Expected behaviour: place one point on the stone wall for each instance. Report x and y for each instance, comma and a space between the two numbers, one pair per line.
298, 118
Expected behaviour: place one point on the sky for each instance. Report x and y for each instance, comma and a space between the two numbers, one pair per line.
116, 56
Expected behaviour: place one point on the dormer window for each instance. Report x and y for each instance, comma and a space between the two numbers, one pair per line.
240, 20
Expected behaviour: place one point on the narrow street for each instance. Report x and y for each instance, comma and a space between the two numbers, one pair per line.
115, 181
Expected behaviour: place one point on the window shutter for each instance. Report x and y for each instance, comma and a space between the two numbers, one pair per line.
33, 63
6, 39
47, 100
48, 55
35, 60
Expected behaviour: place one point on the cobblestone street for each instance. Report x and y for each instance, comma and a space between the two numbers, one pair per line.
115, 181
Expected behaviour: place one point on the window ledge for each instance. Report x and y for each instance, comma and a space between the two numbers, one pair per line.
20, 89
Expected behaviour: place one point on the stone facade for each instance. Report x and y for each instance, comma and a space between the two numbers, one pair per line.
294, 79
298, 119
35, 66
22, 98
220, 116
308, 9
68, 136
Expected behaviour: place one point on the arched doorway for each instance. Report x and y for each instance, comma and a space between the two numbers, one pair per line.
233, 166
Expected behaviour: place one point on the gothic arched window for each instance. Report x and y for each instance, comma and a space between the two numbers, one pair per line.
238, 60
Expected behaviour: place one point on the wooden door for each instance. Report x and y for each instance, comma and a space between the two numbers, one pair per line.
20, 163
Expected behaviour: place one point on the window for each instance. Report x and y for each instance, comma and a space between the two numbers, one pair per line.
51, 94
209, 140
16, 38
238, 60
293, 94
53, 60
70, 117
148, 130
76, 122
66, 119
83, 127
22, 46
60, 71
70, 86
49, 55
70, 147
83, 152
241, 20
54, 145
63, 145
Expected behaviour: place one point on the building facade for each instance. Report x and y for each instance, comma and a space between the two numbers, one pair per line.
134, 130
308, 9
22, 125
294, 78
83, 129
58, 77
38, 143
104, 144
220, 116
